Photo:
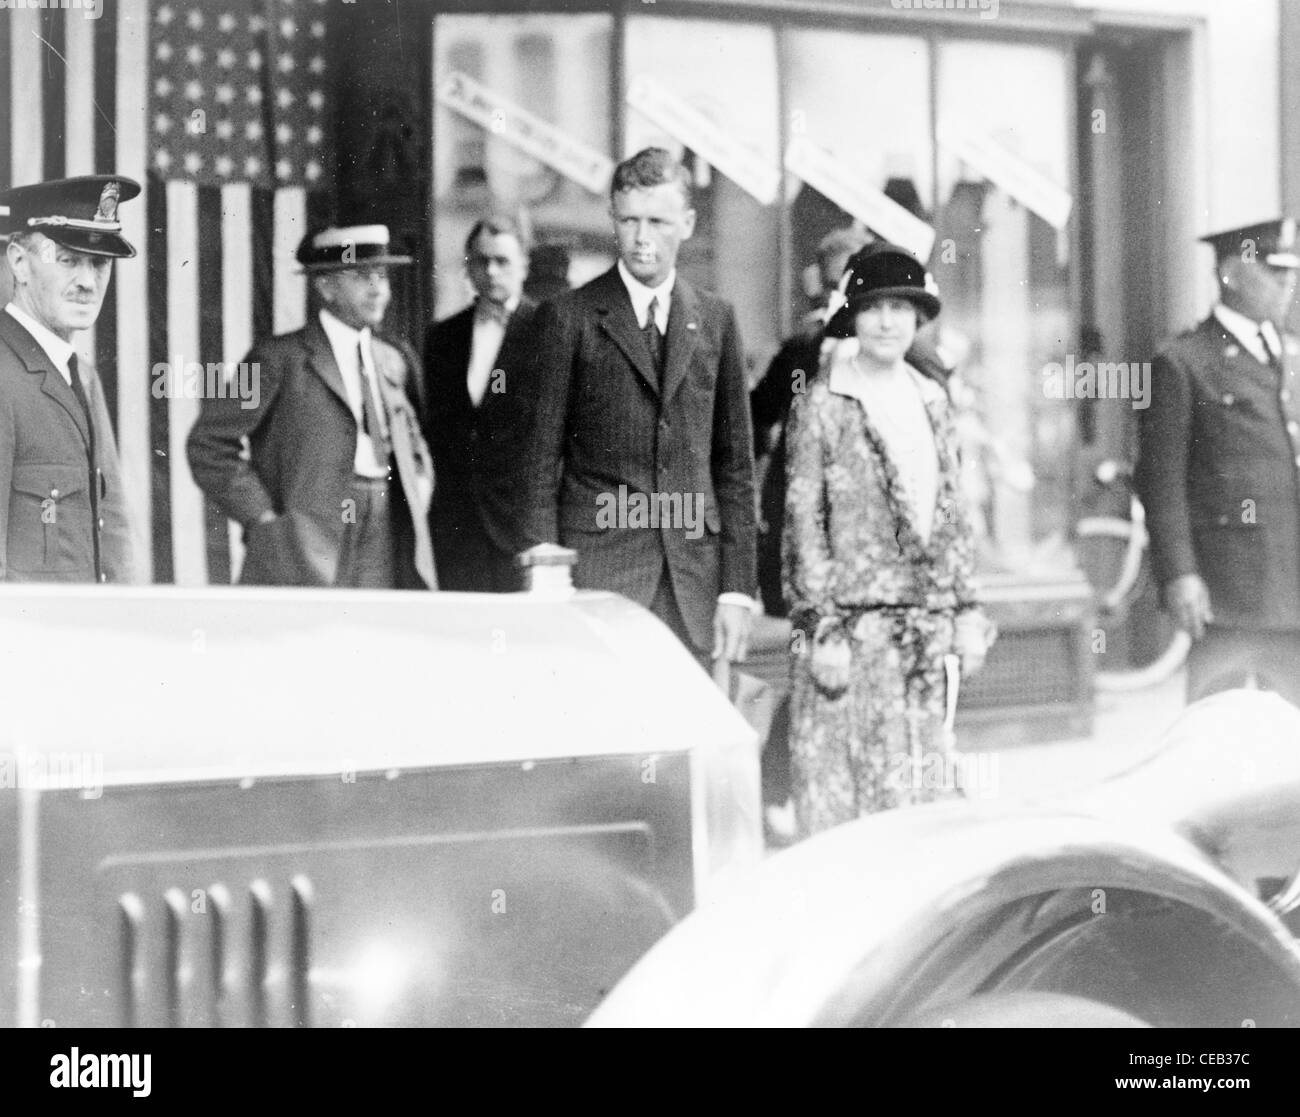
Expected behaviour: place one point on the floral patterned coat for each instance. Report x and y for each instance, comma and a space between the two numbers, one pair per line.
856, 569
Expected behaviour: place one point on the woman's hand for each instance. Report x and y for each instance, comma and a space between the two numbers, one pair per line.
830, 663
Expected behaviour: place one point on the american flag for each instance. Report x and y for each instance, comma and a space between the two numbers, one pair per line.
223, 113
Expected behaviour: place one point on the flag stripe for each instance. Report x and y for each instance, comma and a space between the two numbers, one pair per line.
160, 472
290, 285
6, 103
212, 279
104, 162
136, 290
79, 51
24, 76
76, 71
184, 347
54, 81
236, 309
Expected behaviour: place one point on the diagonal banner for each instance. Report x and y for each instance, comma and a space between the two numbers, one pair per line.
684, 122
531, 134
847, 189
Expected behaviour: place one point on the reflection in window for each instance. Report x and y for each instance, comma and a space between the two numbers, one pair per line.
727, 73
1005, 282
559, 70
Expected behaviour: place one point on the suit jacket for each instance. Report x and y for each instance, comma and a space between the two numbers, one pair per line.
302, 439
601, 422
62, 517
476, 450
1219, 448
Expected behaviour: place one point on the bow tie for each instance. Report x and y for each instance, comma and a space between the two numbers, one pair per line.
487, 311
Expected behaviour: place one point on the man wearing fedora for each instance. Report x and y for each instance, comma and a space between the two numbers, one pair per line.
1219, 471
63, 514
335, 488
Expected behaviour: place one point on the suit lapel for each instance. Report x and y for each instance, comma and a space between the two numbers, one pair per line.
683, 332
38, 362
618, 320
321, 358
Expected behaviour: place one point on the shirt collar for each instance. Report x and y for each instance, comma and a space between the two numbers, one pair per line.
58, 350
641, 295
1246, 330
845, 377
342, 337
487, 310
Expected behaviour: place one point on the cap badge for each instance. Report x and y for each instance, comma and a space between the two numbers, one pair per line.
108, 197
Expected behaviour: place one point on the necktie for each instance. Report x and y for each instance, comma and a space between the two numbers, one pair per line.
79, 390
370, 423
654, 339
1274, 357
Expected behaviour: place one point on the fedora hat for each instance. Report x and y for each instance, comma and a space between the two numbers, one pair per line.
878, 271
339, 248
79, 213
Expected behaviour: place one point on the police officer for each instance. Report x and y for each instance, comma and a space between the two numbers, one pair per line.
1219, 471
62, 508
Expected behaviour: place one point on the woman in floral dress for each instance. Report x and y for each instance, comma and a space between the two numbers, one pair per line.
877, 558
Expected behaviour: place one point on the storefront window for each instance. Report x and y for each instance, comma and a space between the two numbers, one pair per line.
708, 90
495, 78
863, 103
1002, 263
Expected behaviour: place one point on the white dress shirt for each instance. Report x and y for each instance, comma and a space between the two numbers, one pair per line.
485, 346
1247, 331
348, 344
896, 407
58, 350
641, 297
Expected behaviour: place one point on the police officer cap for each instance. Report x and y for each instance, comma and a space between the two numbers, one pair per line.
78, 213
1268, 242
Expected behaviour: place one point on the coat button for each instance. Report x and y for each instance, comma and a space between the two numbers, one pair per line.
1229, 399
1285, 395
1292, 427
101, 523
103, 577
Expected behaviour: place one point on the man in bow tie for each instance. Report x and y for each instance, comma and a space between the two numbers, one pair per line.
1219, 471
335, 489
474, 421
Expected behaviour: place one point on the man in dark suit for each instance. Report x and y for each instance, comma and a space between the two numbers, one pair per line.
1219, 471
335, 488
640, 451
63, 514
473, 370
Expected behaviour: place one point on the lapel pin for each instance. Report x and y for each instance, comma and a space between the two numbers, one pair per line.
690, 325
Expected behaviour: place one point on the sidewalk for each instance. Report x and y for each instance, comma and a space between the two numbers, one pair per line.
1127, 729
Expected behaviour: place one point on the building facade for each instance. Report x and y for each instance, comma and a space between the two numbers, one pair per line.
1054, 160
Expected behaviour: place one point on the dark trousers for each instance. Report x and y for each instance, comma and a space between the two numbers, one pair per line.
366, 560
1225, 658
468, 561
664, 606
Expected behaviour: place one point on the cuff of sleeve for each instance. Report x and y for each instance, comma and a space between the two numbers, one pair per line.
740, 599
